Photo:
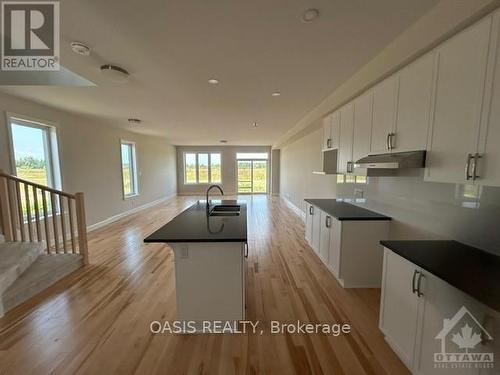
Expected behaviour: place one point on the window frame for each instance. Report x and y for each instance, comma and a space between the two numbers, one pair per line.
134, 169
196, 153
51, 146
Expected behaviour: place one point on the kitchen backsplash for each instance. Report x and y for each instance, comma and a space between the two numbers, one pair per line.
423, 210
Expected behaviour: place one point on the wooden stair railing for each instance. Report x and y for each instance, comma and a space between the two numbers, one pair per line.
27, 207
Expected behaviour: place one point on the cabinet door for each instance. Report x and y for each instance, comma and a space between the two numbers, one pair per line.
324, 241
384, 114
488, 165
316, 228
441, 302
309, 223
362, 125
345, 142
399, 305
327, 131
334, 248
335, 130
414, 104
461, 70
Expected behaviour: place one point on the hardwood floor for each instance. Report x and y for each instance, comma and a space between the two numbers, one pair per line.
96, 321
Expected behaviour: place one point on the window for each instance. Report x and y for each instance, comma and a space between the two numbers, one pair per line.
129, 169
35, 155
350, 179
252, 155
202, 168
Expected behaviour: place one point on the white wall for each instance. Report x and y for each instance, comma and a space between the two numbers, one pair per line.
229, 170
298, 161
90, 159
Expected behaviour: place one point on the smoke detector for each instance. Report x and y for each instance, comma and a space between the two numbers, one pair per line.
310, 15
115, 73
80, 48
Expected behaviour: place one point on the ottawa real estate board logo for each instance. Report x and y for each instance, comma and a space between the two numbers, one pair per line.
30, 35
464, 343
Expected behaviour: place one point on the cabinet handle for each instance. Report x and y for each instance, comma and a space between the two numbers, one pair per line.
328, 221
387, 141
476, 158
350, 168
413, 287
311, 210
328, 143
419, 284
467, 167
246, 249
391, 141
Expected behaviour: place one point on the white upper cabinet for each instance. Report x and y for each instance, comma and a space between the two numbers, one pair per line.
384, 114
345, 164
331, 131
488, 167
461, 74
362, 125
414, 105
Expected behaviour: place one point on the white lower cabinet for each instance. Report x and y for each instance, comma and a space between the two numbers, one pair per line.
426, 320
399, 306
349, 248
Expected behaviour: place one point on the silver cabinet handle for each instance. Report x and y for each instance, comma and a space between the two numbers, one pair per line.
476, 158
413, 287
311, 210
391, 141
328, 143
246, 249
350, 167
328, 221
419, 284
387, 141
467, 167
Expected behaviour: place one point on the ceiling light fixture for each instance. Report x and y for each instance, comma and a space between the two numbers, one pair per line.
276, 93
80, 48
223, 141
115, 73
255, 124
213, 81
310, 15
134, 121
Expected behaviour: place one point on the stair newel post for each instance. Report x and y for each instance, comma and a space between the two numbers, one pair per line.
82, 227
4, 205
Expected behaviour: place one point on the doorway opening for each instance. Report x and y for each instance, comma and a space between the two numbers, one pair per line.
252, 173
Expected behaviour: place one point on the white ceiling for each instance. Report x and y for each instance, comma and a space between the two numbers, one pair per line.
171, 48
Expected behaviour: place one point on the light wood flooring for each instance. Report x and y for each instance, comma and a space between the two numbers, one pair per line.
96, 321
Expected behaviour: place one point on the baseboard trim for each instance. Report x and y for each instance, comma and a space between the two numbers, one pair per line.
294, 208
121, 215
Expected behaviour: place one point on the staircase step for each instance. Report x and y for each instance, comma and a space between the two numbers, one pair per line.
15, 258
45, 271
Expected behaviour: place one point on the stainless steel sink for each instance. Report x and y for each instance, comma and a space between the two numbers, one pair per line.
225, 210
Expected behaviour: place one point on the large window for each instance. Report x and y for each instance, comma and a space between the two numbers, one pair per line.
34, 150
129, 169
252, 172
202, 168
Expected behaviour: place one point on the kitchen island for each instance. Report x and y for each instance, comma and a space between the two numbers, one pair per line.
210, 245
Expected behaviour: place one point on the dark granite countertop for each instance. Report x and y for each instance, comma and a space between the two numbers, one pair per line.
193, 225
473, 271
345, 211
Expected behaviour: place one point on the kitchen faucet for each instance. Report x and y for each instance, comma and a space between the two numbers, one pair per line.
208, 191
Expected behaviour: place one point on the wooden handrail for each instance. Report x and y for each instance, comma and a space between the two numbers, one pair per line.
38, 186
60, 234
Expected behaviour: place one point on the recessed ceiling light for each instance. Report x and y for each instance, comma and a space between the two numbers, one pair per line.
276, 93
213, 81
115, 73
134, 121
255, 125
310, 15
223, 141
80, 48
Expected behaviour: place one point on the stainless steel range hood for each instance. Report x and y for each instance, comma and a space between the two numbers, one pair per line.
395, 160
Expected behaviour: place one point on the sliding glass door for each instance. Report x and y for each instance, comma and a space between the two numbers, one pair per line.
252, 176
